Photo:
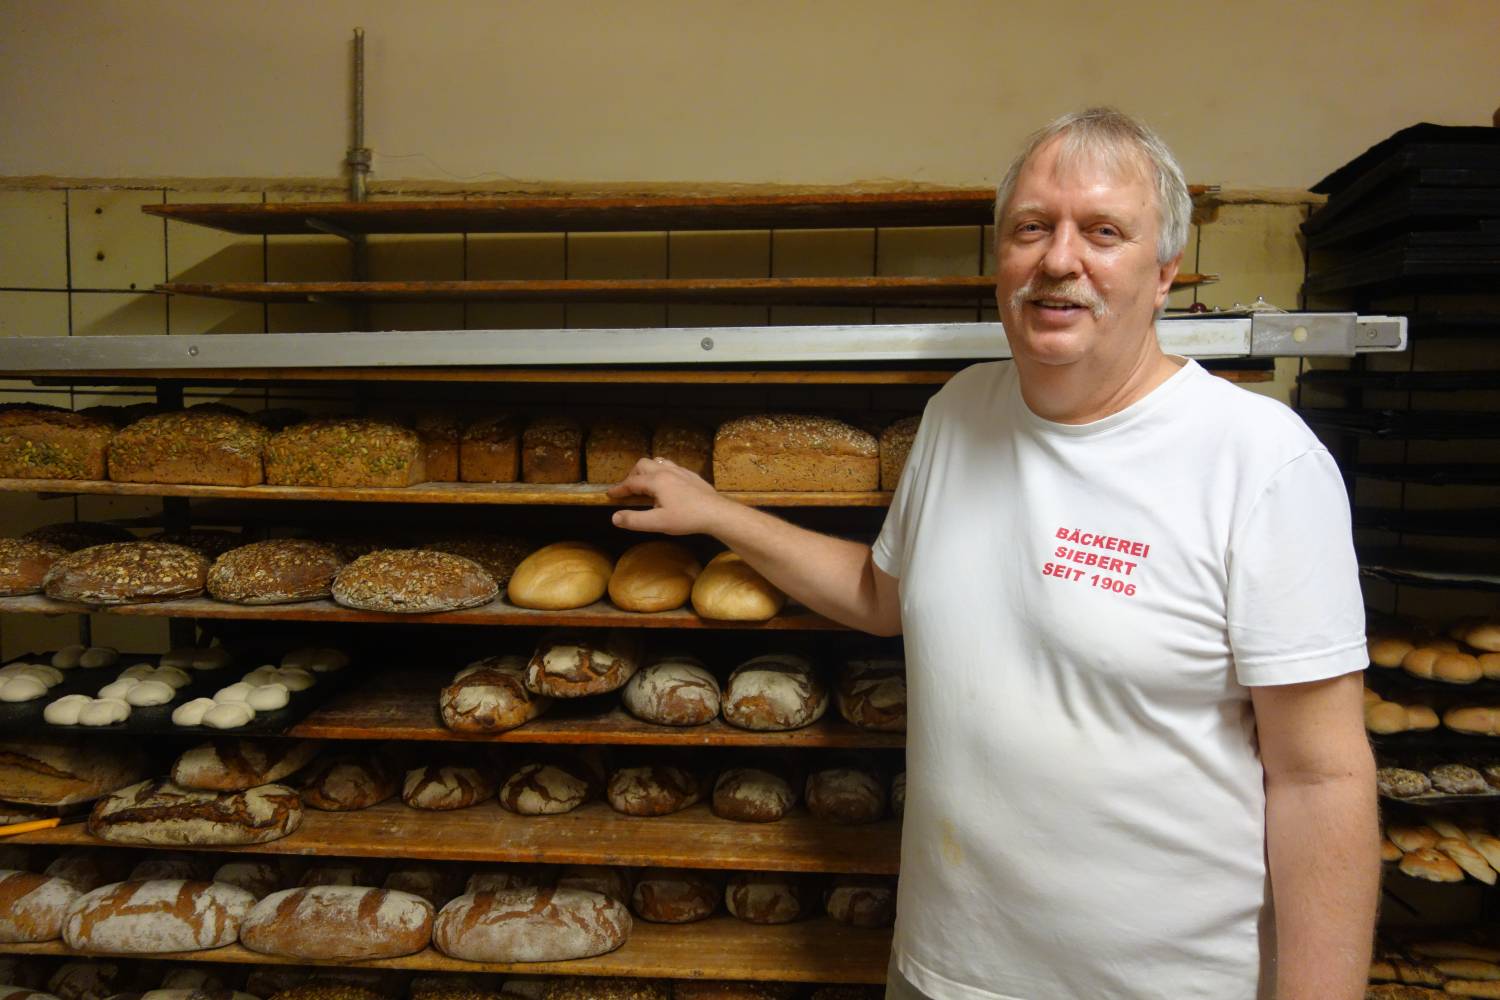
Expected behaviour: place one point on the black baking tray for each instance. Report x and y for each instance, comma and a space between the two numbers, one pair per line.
1400, 209
1430, 568
1428, 425
1426, 261
1481, 522
1426, 143
1432, 473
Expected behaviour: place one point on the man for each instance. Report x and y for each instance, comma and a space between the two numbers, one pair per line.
1133, 633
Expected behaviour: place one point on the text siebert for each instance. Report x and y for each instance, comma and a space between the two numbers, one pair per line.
1105, 562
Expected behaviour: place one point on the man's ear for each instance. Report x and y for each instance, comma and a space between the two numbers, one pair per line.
1165, 277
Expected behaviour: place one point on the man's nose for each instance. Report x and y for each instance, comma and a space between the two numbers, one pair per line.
1062, 257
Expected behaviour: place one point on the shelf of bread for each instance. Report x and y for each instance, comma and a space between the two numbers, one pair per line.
813, 951
592, 834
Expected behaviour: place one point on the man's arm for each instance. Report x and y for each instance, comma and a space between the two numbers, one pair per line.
1322, 835
834, 577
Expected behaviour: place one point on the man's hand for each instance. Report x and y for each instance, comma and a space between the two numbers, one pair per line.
683, 504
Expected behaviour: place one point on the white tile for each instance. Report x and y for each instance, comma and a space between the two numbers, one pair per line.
33, 253
113, 244
33, 314
113, 313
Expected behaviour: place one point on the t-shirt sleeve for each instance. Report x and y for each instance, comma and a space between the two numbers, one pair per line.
1295, 609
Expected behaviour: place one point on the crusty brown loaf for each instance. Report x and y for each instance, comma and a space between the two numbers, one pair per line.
490, 449
209, 447
752, 795
32, 906
561, 576
167, 915
435, 883
24, 563
258, 876
233, 764
439, 430
490, 696
773, 692
344, 782
729, 589
40, 442
85, 980
578, 664
895, 445
785, 451
552, 451
616, 883
276, 571
613, 448
75, 535
653, 576
596, 988
547, 788
498, 554
338, 923
87, 868
127, 573
688, 445
531, 925
159, 812
446, 786
188, 866
349, 451
207, 543
652, 789
675, 895
848, 794
861, 900
764, 897
678, 691
711, 989
413, 581
872, 694
45, 771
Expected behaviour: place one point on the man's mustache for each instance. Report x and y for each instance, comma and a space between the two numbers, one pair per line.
1072, 290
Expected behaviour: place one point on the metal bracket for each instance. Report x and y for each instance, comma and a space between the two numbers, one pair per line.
332, 229
1303, 334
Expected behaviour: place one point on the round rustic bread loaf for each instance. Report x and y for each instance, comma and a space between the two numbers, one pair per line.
85, 980
653, 576
50, 771
490, 696
180, 865
75, 535
413, 581
729, 590
209, 544
259, 878
675, 691
676, 895
347, 781
156, 917
86, 868
24, 563
435, 883
338, 923
872, 694
160, 813
764, 897
232, 765
898, 795
495, 879
446, 786
595, 988
861, 900
752, 795
652, 789
32, 907
560, 576
608, 880
578, 664
498, 554
127, 573
848, 795
548, 788
531, 925
277, 571
775, 691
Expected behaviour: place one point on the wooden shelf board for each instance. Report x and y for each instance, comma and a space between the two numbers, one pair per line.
592, 834
696, 375
812, 951
497, 612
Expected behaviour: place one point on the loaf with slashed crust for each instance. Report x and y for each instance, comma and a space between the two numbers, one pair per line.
872, 694
850, 793
490, 696
209, 447
776, 691
752, 795
531, 925
794, 452
32, 907
347, 451
765, 897
127, 573
48, 771
24, 563
42, 442
413, 581
159, 812
676, 895
343, 782
616, 883
446, 786
87, 868
338, 923
578, 664
652, 789
275, 571
233, 764
674, 691
168, 915
861, 900
547, 788
258, 877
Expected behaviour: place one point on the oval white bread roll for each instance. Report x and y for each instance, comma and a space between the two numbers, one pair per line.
653, 576
560, 576
1428, 863
1413, 838
1470, 860
1388, 651
728, 589
1472, 719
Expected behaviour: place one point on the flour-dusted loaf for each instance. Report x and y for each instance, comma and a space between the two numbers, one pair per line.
673, 691
612, 449
773, 692
439, 430
127, 573
86, 868
653, 576
577, 664
596, 988
338, 923
561, 576
872, 694
895, 444
210, 447
32, 907
24, 563
489, 450
441, 787
686, 444
490, 696
185, 866
753, 795
413, 581
795, 452
652, 789
861, 900
531, 925
343, 782
49, 771
729, 589
616, 883
362, 872
347, 451
42, 442
676, 895
495, 878
549, 787
155, 917
848, 792
162, 813
85, 980
498, 554
275, 571
233, 765
258, 877
435, 883
552, 451
765, 897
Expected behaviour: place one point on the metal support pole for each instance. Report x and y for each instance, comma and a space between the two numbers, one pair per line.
358, 159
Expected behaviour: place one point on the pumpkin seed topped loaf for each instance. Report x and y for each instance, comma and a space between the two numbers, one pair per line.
787, 451
277, 571
210, 447
75, 535
413, 581
23, 564
127, 573
43, 442
347, 451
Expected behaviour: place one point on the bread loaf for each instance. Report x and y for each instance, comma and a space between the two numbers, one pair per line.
498, 554
595, 988
446, 786
434, 883
200, 445
156, 917
352, 451
677, 691
552, 451
209, 544
86, 869
1401, 783
1387, 650
413, 581
848, 795
259, 878
783, 451
1477, 719
776, 691
24, 564
32, 907
87, 980
548, 788
895, 445
39, 442
728, 589
502, 877
161, 813
686, 444
652, 789
347, 781
276, 571
1428, 863
653, 576
872, 694
233, 765
531, 925
1482, 634
560, 576
439, 430
127, 573
752, 795
1470, 860
578, 664
490, 450
45, 771
338, 923
365, 874
712, 989
764, 897
612, 449
180, 865
1457, 779
616, 883
861, 900
675, 895
75, 535
490, 696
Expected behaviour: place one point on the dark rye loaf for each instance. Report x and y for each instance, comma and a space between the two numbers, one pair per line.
338, 923
343, 782
276, 571
531, 925
38, 442
127, 573
49, 771
349, 452
489, 451
784, 451
413, 581
167, 915
776, 691
872, 694
205, 446
162, 813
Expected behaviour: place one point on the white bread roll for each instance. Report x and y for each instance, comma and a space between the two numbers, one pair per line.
561, 576
728, 589
653, 576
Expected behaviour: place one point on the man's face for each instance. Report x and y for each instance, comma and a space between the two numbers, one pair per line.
1076, 275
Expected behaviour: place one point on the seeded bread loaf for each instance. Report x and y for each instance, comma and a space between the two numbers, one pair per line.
552, 451
490, 450
490, 696
338, 923
204, 446
774, 692
895, 445
676, 895
44, 771
596, 988
498, 554
24, 564
211, 544
349, 451
39, 442
75, 535
156, 917
700, 989
233, 765
677, 691
561, 576
613, 448
32, 907
127, 573
413, 581
439, 431
276, 571
159, 812
861, 900
688, 445
729, 589
344, 782
872, 694
784, 451
531, 925
652, 789
653, 576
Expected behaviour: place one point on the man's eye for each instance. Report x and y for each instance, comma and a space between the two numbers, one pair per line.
1029, 227
1109, 232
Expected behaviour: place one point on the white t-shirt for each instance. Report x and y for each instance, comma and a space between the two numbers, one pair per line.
1084, 607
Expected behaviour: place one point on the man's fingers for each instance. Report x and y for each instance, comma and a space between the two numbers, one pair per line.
636, 520
634, 484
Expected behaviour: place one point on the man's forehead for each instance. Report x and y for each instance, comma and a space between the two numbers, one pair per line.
1120, 174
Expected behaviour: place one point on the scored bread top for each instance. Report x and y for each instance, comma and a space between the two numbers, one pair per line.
790, 432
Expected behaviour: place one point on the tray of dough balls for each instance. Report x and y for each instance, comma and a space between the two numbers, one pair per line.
192, 689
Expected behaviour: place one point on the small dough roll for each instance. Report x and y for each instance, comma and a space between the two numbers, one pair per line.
561, 576
728, 589
653, 576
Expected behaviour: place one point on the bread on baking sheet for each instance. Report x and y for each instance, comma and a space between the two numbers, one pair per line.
561, 576
338, 923
673, 691
32, 907
895, 444
872, 694
276, 571
575, 664
413, 581
531, 925
730, 589
1467, 858
612, 449
43, 442
653, 576
439, 429
1457, 779
1401, 782
342, 782
490, 696
210, 447
676, 895
489, 449
765, 897
861, 900
51, 771
24, 563
345, 452
775, 691
552, 451
156, 917
1480, 720
752, 795
127, 573
160, 813
498, 554
233, 764
686, 444
795, 452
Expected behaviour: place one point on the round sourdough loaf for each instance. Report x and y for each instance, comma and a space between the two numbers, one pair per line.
258, 878
616, 883
46, 771
752, 795
490, 696
548, 788
344, 782
578, 664
653, 576
276, 571
531, 925
154, 917
675, 895
676, 691
872, 694
652, 789
861, 900
162, 813
233, 765
507, 877
86, 868
847, 795
436, 884
182, 865
729, 590
764, 897
413, 581
32, 906
127, 573
24, 563
441, 787
561, 576
338, 923
774, 692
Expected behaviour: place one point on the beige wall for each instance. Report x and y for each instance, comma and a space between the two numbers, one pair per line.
1274, 93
